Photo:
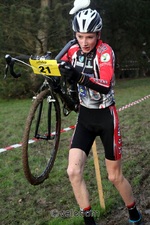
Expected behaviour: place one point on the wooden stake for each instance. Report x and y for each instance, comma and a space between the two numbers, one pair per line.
98, 175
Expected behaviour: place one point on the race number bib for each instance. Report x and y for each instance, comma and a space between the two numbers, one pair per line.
45, 67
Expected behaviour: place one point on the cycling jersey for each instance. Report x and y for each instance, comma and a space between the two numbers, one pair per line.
97, 113
99, 66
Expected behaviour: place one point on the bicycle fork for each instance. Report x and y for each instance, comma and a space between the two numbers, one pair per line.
48, 135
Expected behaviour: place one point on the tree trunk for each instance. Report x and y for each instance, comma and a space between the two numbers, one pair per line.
41, 45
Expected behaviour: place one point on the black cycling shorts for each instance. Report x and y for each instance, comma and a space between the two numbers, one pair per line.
98, 122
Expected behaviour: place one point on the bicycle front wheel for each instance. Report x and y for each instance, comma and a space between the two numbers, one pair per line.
41, 137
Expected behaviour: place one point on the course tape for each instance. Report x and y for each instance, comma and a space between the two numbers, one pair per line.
72, 127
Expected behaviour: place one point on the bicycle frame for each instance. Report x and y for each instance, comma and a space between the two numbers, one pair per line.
44, 135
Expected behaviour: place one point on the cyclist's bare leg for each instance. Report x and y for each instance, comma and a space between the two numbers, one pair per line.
115, 175
77, 159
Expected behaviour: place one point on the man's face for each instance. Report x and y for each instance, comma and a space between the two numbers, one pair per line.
87, 41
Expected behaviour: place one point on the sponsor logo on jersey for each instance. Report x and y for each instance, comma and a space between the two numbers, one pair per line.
81, 59
105, 57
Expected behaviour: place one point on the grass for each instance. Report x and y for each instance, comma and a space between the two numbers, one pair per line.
53, 203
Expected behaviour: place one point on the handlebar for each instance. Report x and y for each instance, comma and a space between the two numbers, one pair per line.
10, 64
10, 61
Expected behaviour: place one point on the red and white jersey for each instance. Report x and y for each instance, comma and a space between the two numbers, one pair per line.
99, 66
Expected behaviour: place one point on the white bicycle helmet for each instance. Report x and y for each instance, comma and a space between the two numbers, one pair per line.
87, 21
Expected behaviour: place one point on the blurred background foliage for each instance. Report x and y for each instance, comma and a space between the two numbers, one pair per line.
34, 27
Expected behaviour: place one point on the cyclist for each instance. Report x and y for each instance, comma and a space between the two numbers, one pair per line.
90, 65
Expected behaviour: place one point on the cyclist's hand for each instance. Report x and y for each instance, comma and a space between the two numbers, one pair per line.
56, 84
71, 74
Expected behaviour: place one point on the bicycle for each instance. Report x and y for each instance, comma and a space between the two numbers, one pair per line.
41, 138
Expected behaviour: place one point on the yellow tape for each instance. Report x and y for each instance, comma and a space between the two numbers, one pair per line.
45, 67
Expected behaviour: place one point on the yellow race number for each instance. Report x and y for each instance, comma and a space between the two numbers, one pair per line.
46, 67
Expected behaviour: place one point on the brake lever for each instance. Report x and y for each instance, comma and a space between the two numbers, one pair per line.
10, 64
8, 59
6, 71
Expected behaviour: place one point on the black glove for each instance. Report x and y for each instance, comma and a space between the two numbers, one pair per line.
56, 84
71, 74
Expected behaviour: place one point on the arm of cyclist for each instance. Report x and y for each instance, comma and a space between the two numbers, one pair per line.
102, 84
72, 75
